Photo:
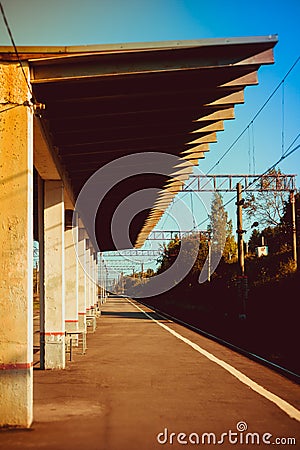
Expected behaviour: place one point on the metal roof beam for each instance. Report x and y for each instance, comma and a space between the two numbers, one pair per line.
90, 66
56, 51
222, 114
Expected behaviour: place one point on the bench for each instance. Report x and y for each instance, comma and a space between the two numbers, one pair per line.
80, 337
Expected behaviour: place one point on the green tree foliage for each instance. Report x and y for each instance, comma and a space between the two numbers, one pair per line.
254, 241
286, 221
169, 254
278, 238
149, 273
266, 206
196, 244
230, 248
221, 229
218, 223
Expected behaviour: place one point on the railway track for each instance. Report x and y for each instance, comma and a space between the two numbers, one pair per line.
277, 368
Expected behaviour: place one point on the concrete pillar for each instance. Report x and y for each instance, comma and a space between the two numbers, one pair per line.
54, 277
87, 278
16, 249
71, 271
81, 281
104, 278
92, 282
40, 213
95, 279
101, 277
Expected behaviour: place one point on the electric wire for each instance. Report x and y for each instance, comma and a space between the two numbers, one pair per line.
248, 127
16, 52
253, 149
249, 151
192, 208
250, 124
11, 107
282, 120
286, 154
257, 114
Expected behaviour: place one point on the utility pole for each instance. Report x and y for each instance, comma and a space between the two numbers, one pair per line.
294, 230
209, 259
243, 281
240, 231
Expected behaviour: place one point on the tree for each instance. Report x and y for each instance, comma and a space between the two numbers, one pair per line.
218, 223
195, 247
230, 248
149, 273
254, 240
221, 230
267, 207
169, 254
286, 221
278, 238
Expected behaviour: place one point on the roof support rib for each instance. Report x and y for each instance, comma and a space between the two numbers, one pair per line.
109, 101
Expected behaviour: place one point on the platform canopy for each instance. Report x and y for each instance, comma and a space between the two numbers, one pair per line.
104, 102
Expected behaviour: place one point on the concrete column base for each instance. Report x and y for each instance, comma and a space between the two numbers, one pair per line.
55, 352
16, 397
82, 322
72, 326
53, 324
16, 244
82, 327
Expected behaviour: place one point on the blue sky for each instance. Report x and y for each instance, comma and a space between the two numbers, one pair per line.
76, 22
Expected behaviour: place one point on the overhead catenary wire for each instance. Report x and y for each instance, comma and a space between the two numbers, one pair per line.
11, 107
37, 107
192, 208
286, 154
282, 120
249, 151
256, 115
250, 126
16, 52
253, 149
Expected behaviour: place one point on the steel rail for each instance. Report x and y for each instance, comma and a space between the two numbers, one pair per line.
254, 357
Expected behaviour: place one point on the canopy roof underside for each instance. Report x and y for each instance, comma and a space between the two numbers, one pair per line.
108, 101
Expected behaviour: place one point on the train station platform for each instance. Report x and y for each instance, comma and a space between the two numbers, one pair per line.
147, 382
